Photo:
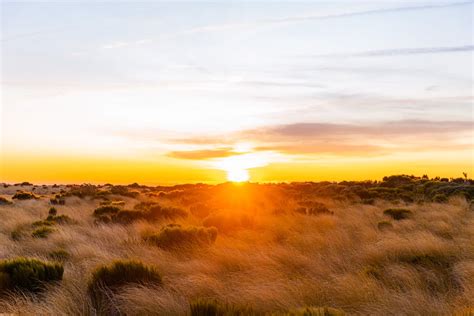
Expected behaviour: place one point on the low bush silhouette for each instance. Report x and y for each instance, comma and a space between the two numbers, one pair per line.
440, 198
28, 274
22, 195
175, 236
106, 210
314, 208
398, 213
108, 279
58, 200
52, 211
42, 232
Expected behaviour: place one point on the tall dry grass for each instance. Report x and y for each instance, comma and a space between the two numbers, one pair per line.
423, 265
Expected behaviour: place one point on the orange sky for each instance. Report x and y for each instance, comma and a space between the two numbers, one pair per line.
265, 92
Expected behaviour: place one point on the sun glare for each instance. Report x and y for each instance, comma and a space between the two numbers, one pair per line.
238, 175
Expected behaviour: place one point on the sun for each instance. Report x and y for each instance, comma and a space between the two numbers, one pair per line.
238, 175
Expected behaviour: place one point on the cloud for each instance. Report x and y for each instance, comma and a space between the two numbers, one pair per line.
385, 129
404, 51
202, 154
361, 140
286, 20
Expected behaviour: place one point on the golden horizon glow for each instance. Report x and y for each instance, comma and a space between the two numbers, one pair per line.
238, 175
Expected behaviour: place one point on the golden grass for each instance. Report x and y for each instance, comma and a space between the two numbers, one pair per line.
423, 265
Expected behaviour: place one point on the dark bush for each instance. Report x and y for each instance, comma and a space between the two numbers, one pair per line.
123, 190
28, 274
440, 198
175, 236
42, 232
58, 200
60, 219
398, 213
317, 208
22, 195
60, 255
106, 210
109, 279
157, 212
52, 211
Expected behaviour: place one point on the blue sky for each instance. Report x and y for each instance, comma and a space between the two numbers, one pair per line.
117, 78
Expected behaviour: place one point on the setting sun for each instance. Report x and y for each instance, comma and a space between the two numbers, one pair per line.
238, 175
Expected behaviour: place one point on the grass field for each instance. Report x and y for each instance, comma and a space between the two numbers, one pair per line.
402, 246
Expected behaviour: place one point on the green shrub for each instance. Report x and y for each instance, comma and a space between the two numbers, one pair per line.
60, 255
22, 195
18, 233
41, 223
110, 278
58, 200
440, 198
398, 213
384, 225
106, 210
28, 274
175, 236
60, 219
42, 232
52, 211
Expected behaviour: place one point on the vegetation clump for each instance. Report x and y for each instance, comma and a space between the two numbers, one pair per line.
175, 236
205, 307
108, 279
316, 311
60, 255
398, 213
106, 210
4, 201
314, 208
42, 232
58, 200
23, 195
28, 274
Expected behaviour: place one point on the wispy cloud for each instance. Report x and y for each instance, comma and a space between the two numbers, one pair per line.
404, 51
339, 139
202, 154
289, 20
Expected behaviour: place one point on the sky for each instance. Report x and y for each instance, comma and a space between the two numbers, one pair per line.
174, 92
